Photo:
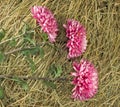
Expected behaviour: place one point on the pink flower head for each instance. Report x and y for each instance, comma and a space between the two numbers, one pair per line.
76, 34
85, 80
46, 20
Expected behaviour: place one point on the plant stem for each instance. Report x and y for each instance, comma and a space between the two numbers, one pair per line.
25, 48
33, 78
18, 50
10, 39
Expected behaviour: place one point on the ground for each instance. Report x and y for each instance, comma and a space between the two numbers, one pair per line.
101, 19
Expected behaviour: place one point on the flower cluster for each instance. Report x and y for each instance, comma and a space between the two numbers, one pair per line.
86, 77
77, 38
85, 80
46, 20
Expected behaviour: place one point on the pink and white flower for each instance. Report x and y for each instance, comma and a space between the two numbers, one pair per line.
46, 20
85, 80
76, 34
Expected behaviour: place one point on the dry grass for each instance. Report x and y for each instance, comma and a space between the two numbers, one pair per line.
102, 21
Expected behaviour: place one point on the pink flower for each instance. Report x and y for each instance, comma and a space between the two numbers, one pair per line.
46, 20
85, 80
76, 34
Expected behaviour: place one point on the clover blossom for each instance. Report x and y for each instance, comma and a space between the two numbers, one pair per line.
46, 20
76, 34
85, 80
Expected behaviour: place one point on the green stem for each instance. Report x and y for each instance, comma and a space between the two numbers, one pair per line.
10, 39
25, 48
33, 78
17, 37
18, 50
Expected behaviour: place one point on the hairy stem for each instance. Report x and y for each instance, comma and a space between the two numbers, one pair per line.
5, 41
33, 78
18, 50
25, 48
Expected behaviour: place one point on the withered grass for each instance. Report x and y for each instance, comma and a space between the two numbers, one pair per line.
102, 21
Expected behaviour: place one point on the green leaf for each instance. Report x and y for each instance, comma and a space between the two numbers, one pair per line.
58, 72
34, 51
2, 34
44, 37
52, 70
31, 64
29, 52
50, 84
41, 52
55, 71
2, 57
27, 33
28, 39
2, 94
25, 86
13, 43
22, 83
26, 28
17, 80
26, 53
